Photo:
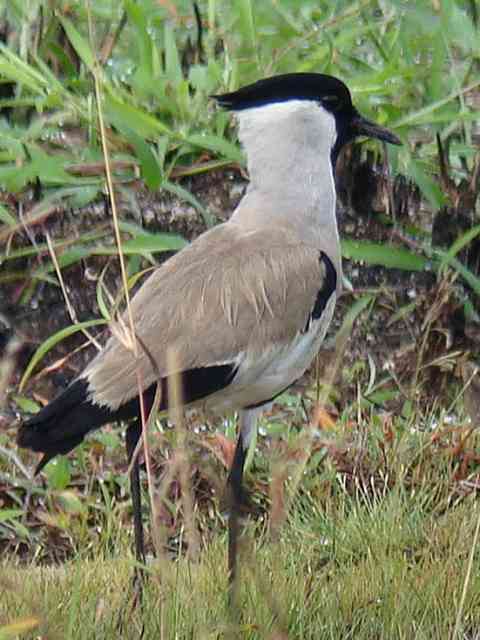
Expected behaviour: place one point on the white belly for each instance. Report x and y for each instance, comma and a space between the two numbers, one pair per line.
261, 377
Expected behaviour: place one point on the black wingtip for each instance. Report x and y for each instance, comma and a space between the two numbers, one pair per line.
25, 435
43, 462
62, 424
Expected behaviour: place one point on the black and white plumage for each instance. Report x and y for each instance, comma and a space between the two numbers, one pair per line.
245, 307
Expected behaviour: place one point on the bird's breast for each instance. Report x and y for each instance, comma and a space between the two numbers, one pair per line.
264, 373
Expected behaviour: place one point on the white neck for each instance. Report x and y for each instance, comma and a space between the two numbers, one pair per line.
288, 147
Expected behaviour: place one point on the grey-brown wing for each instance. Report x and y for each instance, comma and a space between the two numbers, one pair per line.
229, 292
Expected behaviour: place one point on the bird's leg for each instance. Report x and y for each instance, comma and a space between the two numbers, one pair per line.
134, 431
235, 491
235, 498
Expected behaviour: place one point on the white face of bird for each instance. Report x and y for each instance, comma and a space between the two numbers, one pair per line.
292, 128
289, 148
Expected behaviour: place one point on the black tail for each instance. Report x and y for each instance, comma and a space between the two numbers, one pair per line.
62, 425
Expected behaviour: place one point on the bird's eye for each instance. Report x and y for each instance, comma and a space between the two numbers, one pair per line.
331, 102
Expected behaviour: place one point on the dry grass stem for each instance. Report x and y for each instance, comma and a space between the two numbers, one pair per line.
7, 365
341, 344
129, 336
70, 308
96, 71
458, 622
177, 415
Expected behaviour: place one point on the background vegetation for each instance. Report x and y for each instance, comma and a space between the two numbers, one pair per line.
364, 513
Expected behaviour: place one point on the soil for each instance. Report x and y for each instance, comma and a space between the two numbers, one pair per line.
366, 194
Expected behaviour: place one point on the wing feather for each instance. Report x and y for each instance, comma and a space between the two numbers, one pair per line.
229, 292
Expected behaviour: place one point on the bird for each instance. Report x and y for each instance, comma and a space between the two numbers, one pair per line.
245, 306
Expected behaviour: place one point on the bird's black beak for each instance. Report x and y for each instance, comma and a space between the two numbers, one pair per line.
363, 127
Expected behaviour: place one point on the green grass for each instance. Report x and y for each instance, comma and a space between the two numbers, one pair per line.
377, 568
409, 65
413, 67
377, 543
379, 540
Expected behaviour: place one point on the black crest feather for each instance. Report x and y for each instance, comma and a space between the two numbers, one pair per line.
331, 92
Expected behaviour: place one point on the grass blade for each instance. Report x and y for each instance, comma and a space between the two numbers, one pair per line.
48, 344
384, 255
